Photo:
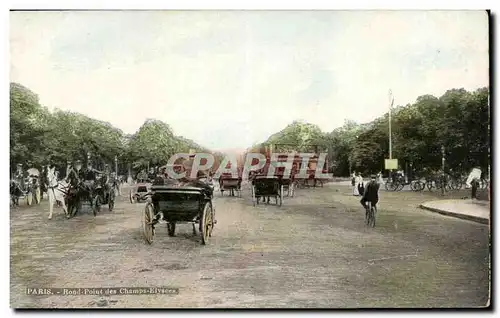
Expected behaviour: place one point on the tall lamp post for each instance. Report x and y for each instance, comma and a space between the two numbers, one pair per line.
443, 178
116, 166
391, 103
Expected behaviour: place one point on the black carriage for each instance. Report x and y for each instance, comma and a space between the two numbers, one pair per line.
79, 193
104, 194
266, 187
179, 202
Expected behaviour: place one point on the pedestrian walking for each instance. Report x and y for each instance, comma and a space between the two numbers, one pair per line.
354, 184
360, 184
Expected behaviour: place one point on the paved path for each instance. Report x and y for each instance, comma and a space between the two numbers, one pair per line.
314, 251
474, 210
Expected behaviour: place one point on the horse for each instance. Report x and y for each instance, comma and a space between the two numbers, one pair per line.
56, 191
15, 192
80, 191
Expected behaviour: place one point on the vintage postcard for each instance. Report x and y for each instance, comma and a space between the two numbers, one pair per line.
249, 159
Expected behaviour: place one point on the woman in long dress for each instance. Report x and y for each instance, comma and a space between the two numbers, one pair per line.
360, 186
354, 184
380, 179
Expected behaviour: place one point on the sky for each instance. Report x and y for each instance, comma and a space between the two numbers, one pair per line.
230, 79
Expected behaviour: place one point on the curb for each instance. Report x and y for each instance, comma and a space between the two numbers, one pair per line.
456, 215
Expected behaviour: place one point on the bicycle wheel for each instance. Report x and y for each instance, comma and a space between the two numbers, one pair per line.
430, 185
391, 186
400, 186
372, 216
367, 214
415, 186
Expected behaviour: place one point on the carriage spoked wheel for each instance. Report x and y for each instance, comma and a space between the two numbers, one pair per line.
38, 196
147, 224
171, 228
206, 223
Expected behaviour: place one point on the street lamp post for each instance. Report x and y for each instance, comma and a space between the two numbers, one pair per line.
443, 181
116, 166
391, 103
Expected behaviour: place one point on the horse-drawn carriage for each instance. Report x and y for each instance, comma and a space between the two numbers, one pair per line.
173, 202
231, 184
139, 192
105, 193
95, 192
26, 185
265, 187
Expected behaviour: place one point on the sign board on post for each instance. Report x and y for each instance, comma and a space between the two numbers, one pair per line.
391, 164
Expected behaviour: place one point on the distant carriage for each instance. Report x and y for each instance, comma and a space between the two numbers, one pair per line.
231, 184
265, 187
139, 192
105, 194
26, 185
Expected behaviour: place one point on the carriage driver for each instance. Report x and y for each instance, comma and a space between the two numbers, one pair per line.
21, 176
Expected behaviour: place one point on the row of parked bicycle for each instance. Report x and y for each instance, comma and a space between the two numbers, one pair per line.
449, 183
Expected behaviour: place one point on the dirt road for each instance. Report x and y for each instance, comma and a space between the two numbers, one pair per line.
314, 251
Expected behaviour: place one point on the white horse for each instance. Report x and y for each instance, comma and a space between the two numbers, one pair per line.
56, 191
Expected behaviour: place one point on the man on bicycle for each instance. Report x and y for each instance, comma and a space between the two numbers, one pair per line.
371, 192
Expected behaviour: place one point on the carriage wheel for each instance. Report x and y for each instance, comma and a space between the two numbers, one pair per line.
147, 223
171, 229
206, 223
38, 196
131, 197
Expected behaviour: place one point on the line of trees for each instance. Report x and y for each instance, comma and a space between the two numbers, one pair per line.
458, 120
38, 136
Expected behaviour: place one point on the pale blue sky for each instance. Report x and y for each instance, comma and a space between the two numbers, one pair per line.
229, 79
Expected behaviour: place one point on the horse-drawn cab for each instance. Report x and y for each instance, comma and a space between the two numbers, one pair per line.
104, 192
266, 185
185, 200
25, 184
230, 183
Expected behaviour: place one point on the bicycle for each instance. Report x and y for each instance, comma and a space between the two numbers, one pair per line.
417, 185
370, 214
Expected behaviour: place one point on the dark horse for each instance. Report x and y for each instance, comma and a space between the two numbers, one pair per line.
80, 191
